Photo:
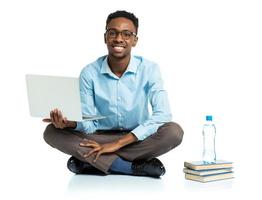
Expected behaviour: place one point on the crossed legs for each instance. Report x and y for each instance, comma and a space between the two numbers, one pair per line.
167, 137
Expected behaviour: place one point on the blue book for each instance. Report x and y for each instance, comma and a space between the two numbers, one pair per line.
207, 171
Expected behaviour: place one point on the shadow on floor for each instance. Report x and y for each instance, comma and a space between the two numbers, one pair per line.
86, 186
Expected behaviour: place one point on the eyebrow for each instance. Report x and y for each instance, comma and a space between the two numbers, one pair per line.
119, 30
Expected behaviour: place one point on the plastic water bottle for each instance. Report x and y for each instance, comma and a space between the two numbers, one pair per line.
209, 137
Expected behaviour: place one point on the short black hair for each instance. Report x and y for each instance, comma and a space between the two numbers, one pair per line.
125, 14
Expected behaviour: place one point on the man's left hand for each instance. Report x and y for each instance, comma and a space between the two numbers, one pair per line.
99, 149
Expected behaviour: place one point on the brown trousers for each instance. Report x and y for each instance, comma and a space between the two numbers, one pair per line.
167, 137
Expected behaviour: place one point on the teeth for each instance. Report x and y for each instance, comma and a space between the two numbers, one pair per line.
118, 48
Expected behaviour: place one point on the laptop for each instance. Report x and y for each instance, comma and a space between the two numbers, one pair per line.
46, 93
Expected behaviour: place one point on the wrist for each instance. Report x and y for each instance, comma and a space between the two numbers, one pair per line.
118, 144
72, 124
125, 140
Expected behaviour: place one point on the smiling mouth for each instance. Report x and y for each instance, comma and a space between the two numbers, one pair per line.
118, 48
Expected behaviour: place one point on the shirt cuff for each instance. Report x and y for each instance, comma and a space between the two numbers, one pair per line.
79, 126
142, 132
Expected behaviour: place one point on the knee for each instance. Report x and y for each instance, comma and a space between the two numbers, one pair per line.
173, 133
49, 133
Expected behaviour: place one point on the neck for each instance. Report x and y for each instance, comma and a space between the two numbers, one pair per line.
118, 65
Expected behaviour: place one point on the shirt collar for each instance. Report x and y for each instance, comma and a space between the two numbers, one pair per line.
132, 66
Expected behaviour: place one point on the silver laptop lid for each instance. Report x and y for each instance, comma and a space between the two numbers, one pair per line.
46, 93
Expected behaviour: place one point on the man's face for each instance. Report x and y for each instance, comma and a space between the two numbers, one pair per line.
120, 45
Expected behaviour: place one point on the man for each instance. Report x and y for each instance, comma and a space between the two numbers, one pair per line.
119, 86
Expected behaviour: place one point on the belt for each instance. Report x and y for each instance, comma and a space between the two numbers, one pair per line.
113, 131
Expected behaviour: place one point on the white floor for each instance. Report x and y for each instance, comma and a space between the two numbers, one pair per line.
36, 171
170, 186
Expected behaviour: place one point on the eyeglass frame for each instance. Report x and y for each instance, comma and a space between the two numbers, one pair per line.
120, 32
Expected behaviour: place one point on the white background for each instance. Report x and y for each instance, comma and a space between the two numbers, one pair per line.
209, 53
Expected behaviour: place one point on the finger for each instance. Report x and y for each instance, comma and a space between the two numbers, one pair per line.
60, 116
91, 152
84, 142
56, 116
97, 155
47, 120
52, 116
89, 141
65, 120
88, 145
60, 119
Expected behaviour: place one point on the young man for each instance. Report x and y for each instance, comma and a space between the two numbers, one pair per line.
119, 86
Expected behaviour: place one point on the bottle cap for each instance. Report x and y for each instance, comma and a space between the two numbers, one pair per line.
209, 118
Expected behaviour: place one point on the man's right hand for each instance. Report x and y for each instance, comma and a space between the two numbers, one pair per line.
57, 119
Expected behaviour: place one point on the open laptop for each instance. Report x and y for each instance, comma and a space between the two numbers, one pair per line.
46, 93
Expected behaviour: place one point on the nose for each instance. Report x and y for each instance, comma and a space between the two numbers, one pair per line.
118, 37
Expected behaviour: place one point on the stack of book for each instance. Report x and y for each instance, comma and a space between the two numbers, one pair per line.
202, 172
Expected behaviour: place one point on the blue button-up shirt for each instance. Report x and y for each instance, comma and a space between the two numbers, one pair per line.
125, 100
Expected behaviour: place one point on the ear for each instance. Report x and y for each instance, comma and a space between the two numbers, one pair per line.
135, 41
105, 38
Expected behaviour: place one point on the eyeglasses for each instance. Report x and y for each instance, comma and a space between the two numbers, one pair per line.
112, 33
